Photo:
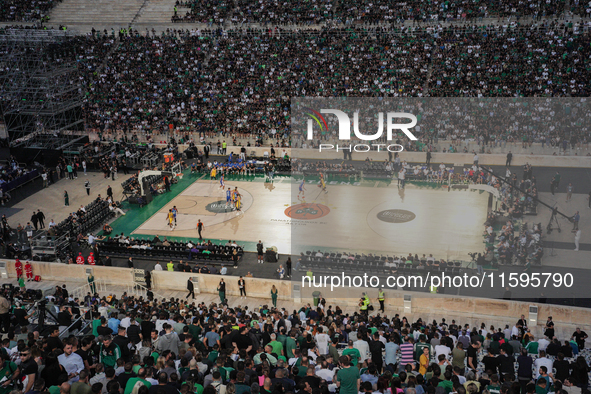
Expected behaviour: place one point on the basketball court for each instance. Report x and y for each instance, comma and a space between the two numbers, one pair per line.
380, 219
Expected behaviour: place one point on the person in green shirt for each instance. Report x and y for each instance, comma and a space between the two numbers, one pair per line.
141, 377
9, 371
290, 344
348, 378
96, 323
532, 347
195, 328
542, 386
213, 355
353, 353
276, 345
332, 350
420, 345
494, 387
274, 296
446, 384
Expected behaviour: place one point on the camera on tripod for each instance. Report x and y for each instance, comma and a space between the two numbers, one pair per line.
473, 255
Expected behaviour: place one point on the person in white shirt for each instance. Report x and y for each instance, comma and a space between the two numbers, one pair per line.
325, 373
51, 223
125, 322
542, 360
322, 341
157, 267
115, 209
363, 348
72, 362
442, 349
543, 344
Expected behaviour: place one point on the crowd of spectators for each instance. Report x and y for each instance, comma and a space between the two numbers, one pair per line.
174, 345
25, 10
241, 80
279, 13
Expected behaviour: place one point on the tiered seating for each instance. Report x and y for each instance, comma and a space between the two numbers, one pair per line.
175, 251
375, 265
377, 170
97, 213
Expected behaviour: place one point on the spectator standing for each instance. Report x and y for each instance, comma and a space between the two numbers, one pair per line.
190, 288
569, 192
348, 378
576, 218
242, 287
524, 373
35, 220
579, 336
222, 290
274, 296
41, 219
44, 177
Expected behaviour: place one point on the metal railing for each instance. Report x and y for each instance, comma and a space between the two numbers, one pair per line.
136, 289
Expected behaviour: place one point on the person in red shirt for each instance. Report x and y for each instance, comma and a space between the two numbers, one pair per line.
91, 258
19, 268
29, 271
80, 259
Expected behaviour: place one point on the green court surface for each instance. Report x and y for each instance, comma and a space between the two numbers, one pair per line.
135, 215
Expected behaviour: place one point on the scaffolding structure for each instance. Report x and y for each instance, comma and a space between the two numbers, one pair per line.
40, 95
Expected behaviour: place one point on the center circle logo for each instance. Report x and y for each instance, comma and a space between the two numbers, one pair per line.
219, 207
307, 211
396, 216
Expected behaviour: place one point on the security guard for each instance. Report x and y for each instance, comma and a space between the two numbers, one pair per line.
381, 298
433, 289
367, 303
170, 266
363, 304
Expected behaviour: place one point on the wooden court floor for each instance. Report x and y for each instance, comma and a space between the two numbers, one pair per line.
383, 220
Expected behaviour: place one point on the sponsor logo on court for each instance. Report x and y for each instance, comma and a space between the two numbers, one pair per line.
307, 211
396, 216
219, 207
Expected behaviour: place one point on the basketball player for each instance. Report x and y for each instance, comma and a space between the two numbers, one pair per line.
222, 186
174, 212
213, 173
238, 201
323, 184
234, 196
228, 198
170, 219
302, 190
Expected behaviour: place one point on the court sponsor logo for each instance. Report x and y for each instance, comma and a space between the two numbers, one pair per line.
392, 123
219, 207
396, 216
307, 211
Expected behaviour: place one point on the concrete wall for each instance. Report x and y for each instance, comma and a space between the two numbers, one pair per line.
426, 306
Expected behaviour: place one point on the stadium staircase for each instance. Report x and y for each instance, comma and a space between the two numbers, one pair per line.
158, 12
83, 15
103, 287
